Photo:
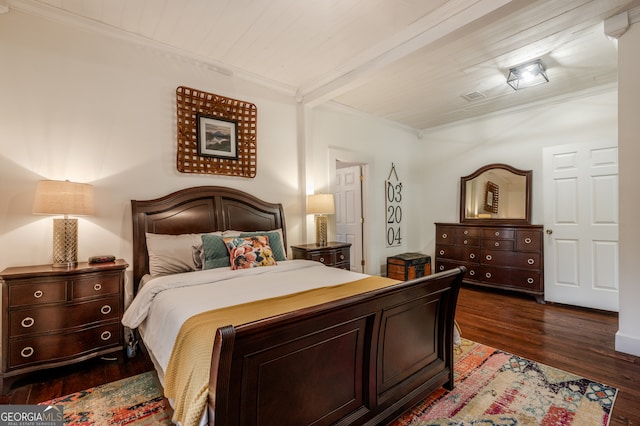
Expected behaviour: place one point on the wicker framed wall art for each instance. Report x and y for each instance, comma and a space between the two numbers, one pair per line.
216, 135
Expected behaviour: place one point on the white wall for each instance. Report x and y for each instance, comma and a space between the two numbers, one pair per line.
85, 107
352, 137
628, 336
515, 138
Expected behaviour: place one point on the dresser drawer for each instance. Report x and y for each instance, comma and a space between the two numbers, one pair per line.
56, 318
58, 347
511, 259
516, 278
529, 241
473, 270
464, 254
457, 235
37, 291
94, 285
498, 244
499, 233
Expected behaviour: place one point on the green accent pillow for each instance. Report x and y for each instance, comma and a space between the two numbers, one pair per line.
275, 241
216, 254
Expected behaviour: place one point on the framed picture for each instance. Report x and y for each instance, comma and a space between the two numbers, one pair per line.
491, 198
217, 137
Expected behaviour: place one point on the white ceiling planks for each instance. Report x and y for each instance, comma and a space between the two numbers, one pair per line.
419, 63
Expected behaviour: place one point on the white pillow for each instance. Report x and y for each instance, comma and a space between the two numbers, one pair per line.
172, 254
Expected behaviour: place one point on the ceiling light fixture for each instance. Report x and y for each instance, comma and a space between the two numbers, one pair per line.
527, 75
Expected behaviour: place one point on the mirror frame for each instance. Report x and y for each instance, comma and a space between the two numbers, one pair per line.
505, 221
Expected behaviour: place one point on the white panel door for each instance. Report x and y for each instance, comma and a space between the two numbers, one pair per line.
581, 220
348, 199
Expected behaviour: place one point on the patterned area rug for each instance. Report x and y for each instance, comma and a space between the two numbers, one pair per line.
492, 388
135, 401
498, 388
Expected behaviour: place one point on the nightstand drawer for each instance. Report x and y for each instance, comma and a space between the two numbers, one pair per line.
56, 318
334, 254
95, 285
59, 347
37, 291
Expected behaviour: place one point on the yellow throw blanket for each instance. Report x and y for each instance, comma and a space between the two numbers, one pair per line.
187, 375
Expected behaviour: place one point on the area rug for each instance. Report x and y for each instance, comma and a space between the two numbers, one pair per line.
135, 401
493, 387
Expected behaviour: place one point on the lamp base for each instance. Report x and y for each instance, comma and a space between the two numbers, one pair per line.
65, 243
321, 230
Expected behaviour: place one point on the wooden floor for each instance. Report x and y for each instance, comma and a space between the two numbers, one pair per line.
577, 340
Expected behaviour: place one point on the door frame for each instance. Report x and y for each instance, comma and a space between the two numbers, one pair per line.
364, 161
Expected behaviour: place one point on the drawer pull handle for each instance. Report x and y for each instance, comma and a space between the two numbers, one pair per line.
531, 261
27, 322
97, 287
342, 257
497, 244
497, 234
444, 236
466, 232
527, 240
530, 280
106, 335
488, 275
27, 352
465, 242
106, 309
472, 272
38, 294
472, 256
322, 259
441, 252
441, 268
489, 257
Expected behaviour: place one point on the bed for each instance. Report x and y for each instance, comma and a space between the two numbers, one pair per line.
362, 357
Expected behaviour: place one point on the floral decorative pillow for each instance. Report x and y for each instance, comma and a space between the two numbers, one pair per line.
249, 252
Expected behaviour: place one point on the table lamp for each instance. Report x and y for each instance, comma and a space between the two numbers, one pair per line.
321, 205
64, 198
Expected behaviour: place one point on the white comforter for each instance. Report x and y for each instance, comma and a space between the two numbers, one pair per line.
165, 303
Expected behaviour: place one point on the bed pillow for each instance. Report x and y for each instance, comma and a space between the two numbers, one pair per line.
249, 252
215, 252
170, 254
276, 241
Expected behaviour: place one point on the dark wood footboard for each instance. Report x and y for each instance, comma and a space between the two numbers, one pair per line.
361, 360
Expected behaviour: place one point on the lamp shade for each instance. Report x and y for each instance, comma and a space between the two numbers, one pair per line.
320, 204
63, 197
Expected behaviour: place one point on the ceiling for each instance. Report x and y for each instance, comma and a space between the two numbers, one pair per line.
419, 63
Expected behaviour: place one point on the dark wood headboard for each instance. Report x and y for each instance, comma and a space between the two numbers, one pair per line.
199, 210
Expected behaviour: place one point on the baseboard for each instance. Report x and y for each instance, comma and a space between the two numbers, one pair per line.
627, 344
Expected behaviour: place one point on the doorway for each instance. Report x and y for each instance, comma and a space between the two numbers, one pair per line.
349, 216
581, 217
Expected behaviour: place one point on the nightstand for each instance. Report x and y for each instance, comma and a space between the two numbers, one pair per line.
58, 316
333, 254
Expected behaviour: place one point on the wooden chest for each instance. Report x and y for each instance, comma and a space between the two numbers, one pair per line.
407, 266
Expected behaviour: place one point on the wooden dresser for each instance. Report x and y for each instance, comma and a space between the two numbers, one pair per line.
57, 316
500, 256
333, 254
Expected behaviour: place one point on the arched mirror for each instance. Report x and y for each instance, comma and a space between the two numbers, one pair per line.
496, 193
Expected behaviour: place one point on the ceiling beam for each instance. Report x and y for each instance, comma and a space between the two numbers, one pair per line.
452, 16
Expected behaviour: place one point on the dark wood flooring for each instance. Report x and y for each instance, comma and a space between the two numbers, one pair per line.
573, 339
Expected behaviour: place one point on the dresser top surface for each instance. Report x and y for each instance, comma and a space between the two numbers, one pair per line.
50, 270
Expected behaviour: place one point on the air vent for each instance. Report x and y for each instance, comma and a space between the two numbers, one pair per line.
474, 96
